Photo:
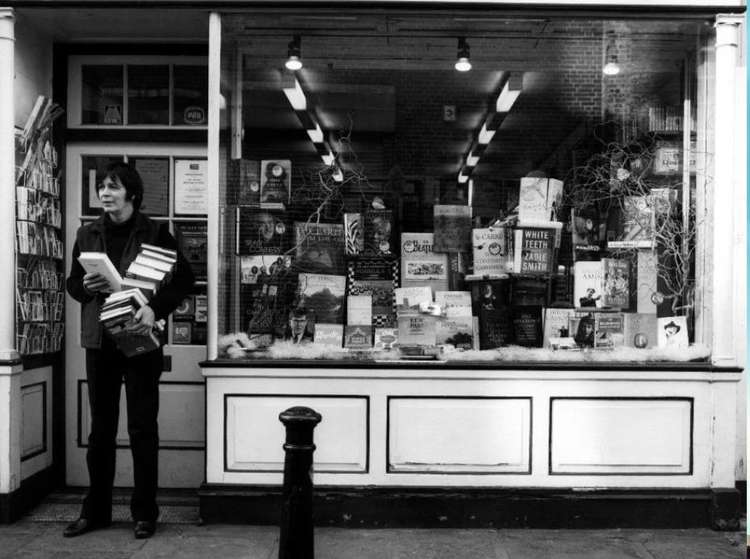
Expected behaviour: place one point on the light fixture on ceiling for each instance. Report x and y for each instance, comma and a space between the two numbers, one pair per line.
463, 64
611, 67
294, 54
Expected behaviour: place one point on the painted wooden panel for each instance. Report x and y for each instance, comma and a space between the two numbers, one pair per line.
621, 436
33, 425
254, 435
181, 416
459, 435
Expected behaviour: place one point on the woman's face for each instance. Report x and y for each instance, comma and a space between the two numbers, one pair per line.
114, 197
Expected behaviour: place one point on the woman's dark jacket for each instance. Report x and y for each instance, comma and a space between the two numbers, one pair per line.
92, 237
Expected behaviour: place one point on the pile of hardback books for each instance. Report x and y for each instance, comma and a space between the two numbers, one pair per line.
151, 269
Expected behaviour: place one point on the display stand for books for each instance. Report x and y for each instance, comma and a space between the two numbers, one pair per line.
40, 276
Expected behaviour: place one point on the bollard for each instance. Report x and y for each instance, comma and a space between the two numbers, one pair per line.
296, 538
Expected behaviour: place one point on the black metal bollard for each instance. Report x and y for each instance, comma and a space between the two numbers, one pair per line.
296, 538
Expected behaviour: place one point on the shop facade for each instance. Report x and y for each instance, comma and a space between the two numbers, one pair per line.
500, 249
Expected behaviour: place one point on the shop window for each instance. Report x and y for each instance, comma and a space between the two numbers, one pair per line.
101, 94
378, 204
148, 94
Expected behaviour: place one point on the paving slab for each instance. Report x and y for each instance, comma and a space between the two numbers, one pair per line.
693, 544
569, 544
114, 541
340, 543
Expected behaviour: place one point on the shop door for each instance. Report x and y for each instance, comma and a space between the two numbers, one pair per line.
166, 171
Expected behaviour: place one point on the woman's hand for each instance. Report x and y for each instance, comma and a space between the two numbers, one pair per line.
143, 321
93, 282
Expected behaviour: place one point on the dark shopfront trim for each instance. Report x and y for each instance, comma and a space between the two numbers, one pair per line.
32, 491
402, 507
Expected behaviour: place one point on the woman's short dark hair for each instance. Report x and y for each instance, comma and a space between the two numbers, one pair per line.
129, 178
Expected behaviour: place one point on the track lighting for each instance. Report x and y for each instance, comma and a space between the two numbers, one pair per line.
463, 64
294, 54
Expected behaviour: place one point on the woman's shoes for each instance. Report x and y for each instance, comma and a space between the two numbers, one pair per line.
83, 526
144, 529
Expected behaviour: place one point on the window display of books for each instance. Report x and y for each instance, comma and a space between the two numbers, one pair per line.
40, 295
352, 282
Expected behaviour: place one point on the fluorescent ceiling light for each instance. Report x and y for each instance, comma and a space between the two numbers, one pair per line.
296, 96
506, 99
472, 160
316, 135
328, 159
462, 178
485, 136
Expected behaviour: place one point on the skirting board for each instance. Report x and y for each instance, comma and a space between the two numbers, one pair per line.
398, 507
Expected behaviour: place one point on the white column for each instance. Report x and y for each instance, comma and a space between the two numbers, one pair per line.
214, 93
727, 315
7, 188
10, 368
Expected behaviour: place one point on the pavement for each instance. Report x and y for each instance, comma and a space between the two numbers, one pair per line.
179, 535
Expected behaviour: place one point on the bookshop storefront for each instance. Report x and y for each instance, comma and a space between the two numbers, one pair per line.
501, 251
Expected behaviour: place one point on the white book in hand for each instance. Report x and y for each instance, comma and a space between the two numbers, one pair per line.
100, 263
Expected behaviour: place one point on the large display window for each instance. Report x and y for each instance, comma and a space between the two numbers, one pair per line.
442, 188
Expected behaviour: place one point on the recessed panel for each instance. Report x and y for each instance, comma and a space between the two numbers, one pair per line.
254, 435
459, 435
621, 436
33, 426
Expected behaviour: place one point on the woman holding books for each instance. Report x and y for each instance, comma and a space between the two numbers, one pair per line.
120, 233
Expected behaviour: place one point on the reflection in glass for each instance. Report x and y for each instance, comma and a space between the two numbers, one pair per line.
101, 94
190, 105
148, 94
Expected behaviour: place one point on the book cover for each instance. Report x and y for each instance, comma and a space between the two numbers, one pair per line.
201, 308
534, 250
527, 326
275, 183
385, 339
636, 224
582, 327
380, 292
328, 334
672, 332
249, 191
323, 296
359, 309
492, 252
412, 296
587, 283
539, 199
378, 232
646, 277
495, 327
587, 233
358, 337
489, 294
457, 331
260, 232
616, 283
609, 330
262, 267
182, 332
556, 325
319, 247
452, 228
454, 301
377, 278
100, 263
354, 234
420, 264
417, 330
373, 269
640, 330
457, 268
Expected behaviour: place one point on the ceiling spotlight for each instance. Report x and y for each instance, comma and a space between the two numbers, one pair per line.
463, 64
611, 67
294, 54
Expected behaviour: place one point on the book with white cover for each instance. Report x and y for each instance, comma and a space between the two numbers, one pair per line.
100, 263
491, 247
413, 296
587, 283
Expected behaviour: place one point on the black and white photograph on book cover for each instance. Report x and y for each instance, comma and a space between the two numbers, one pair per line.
531, 216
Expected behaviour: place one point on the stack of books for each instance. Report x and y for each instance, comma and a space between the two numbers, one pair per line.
117, 315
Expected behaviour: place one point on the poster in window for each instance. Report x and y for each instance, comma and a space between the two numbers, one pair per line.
190, 187
155, 176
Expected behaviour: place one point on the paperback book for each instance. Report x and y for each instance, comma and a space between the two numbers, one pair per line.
354, 234
262, 267
358, 337
457, 331
635, 224
672, 332
413, 297
556, 324
492, 252
329, 334
260, 232
421, 266
275, 183
455, 302
527, 326
416, 330
587, 283
539, 199
615, 283
319, 247
640, 330
249, 191
378, 233
452, 228
359, 309
534, 249
323, 296
385, 339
